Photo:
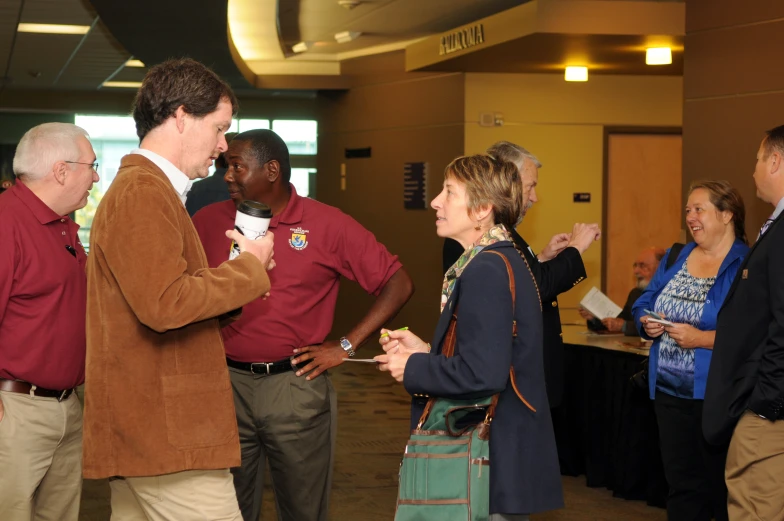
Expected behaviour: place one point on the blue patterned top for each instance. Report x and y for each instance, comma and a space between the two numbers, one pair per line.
682, 301
715, 298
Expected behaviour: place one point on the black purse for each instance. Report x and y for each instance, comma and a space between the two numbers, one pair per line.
639, 380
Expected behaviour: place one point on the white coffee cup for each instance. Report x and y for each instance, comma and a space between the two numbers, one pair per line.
252, 221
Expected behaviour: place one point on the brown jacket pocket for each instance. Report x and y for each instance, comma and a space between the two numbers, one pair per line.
199, 409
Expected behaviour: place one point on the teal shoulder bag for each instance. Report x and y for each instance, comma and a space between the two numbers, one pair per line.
445, 473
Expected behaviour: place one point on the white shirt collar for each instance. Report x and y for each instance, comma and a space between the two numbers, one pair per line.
180, 182
778, 210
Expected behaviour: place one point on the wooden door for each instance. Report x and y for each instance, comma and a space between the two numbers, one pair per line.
644, 203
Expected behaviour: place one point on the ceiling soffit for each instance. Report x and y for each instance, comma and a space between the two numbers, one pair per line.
547, 35
263, 32
154, 31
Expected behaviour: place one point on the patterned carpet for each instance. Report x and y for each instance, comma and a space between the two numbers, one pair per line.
373, 423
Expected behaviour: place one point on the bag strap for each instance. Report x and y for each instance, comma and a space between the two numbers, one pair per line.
675, 250
449, 350
512, 376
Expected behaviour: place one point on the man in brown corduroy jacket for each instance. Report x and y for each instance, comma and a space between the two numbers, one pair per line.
159, 413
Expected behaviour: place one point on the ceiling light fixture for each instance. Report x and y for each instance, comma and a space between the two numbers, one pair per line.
349, 4
346, 36
123, 84
658, 56
134, 63
576, 74
52, 28
302, 46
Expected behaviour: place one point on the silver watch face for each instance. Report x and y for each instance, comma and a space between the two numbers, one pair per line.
345, 344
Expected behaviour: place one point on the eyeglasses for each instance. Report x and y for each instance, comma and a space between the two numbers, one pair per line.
94, 165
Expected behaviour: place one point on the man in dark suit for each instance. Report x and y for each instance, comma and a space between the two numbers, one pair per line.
745, 388
558, 268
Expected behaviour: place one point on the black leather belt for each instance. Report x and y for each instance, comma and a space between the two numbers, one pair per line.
262, 368
15, 386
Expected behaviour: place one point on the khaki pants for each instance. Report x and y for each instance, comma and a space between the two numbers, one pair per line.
40, 458
755, 470
291, 423
192, 495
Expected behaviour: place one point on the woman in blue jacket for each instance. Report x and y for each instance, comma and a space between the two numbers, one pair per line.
481, 200
689, 294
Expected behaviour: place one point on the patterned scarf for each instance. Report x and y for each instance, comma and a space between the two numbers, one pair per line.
495, 234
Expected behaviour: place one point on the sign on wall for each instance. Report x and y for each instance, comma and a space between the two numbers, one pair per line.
462, 39
415, 186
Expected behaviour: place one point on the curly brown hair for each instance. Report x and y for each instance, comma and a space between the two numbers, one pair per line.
490, 182
178, 83
726, 198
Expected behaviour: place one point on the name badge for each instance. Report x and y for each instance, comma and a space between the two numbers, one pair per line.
745, 274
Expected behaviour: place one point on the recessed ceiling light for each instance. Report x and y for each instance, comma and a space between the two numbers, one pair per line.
346, 36
302, 46
123, 84
658, 56
576, 74
134, 63
52, 28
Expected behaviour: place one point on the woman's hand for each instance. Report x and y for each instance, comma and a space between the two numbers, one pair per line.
688, 337
394, 363
652, 329
402, 341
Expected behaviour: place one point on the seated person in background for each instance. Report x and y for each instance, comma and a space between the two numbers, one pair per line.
644, 268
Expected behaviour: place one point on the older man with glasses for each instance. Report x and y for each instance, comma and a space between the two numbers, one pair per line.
43, 297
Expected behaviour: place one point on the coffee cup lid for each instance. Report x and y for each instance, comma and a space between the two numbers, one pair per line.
255, 209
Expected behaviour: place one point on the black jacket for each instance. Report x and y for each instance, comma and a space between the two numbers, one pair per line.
212, 189
553, 278
524, 473
747, 366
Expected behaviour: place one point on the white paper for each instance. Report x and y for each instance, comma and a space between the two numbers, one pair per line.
600, 304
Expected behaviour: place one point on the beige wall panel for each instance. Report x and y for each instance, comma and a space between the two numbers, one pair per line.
644, 205
563, 172
547, 98
721, 138
427, 101
401, 123
734, 60
563, 124
712, 14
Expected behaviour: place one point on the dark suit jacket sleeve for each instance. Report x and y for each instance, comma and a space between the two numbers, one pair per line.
555, 276
483, 352
560, 274
769, 391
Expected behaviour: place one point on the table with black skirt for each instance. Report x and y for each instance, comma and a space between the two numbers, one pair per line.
606, 428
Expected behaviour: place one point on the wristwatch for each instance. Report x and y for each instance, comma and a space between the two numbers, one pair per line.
347, 347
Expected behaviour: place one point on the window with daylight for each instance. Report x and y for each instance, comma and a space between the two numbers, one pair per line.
113, 137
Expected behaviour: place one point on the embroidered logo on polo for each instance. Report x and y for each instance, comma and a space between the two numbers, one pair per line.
299, 238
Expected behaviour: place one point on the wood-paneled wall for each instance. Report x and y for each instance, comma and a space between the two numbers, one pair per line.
733, 90
402, 118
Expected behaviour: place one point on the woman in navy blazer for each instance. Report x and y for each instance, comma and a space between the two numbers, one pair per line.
690, 293
481, 200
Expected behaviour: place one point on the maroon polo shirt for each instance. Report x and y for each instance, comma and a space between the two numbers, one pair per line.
43, 293
314, 245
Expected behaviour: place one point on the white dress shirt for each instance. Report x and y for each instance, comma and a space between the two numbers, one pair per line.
180, 182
